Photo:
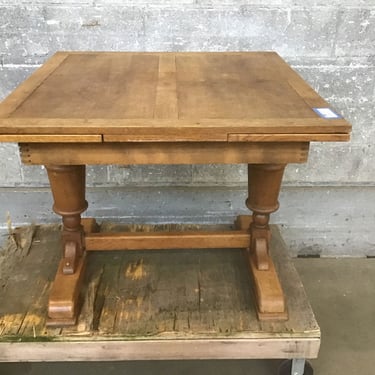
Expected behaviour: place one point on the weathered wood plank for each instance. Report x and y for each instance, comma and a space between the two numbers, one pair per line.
161, 350
26, 275
158, 299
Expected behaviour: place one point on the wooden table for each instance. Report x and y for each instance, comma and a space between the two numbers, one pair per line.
84, 108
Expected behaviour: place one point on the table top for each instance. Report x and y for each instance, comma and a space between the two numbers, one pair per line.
123, 96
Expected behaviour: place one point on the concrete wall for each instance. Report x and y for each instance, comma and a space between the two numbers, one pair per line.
331, 44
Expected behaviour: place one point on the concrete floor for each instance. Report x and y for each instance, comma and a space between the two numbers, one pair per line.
342, 294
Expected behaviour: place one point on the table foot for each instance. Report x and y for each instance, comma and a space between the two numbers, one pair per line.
269, 296
64, 301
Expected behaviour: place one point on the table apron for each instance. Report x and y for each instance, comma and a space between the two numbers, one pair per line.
164, 153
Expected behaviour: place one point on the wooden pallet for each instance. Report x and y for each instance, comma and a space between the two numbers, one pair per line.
174, 304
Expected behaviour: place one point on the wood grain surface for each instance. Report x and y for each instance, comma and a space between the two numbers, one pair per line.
168, 97
163, 153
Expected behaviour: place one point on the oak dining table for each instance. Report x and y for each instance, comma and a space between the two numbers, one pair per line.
99, 108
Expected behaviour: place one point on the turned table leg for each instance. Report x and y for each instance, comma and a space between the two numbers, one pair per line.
264, 187
68, 190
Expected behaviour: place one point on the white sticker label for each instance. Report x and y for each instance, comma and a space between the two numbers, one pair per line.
327, 113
